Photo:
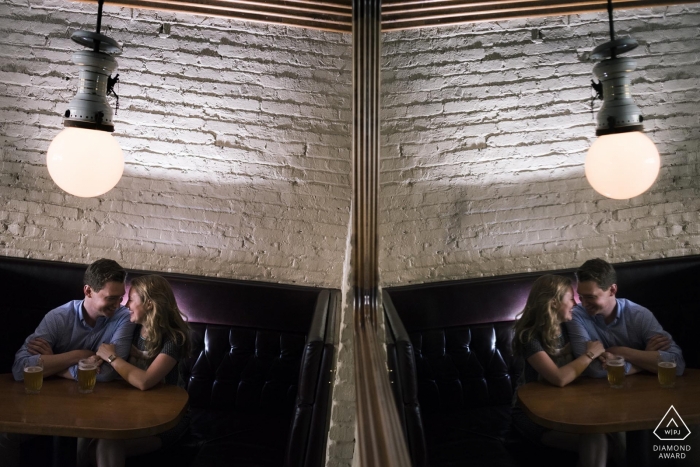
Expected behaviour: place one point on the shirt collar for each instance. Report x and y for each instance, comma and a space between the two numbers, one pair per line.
618, 312
79, 310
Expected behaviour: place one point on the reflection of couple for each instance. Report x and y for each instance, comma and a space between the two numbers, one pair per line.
600, 327
149, 332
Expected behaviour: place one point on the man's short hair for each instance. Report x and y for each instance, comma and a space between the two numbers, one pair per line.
599, 271
102, 271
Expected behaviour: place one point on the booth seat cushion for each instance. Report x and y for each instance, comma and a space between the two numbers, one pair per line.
243, 388
241, 439
465, 377
467, 449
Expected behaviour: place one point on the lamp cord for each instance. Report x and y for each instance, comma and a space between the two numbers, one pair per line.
612, 28
100, 3
598, 87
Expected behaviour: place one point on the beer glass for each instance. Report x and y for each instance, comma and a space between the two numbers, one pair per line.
667, 370
616, 372
87, 375
33, 377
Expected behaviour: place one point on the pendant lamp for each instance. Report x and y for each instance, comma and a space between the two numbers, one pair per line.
85, 159
623, 162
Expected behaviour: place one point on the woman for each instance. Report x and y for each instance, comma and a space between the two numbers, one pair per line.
543, 343
160, 342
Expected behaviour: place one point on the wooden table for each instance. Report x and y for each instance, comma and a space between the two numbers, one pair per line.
113, 410
589, 405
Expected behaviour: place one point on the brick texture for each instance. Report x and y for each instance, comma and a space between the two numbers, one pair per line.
485, 129
236, 139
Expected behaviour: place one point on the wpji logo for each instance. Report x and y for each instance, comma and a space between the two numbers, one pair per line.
672, 427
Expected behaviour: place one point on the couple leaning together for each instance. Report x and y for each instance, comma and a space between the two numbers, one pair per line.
143, 342
560, 340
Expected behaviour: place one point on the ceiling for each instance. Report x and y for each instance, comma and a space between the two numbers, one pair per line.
336, 15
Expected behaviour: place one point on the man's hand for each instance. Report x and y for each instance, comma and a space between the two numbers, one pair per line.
39, 346
96, 360
658, 342
604, 357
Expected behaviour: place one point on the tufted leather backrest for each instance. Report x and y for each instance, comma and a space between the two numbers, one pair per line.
466, 366
404, 383
307, 436
246, 370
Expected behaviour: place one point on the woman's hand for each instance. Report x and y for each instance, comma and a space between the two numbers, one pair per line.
596, 347
106, 350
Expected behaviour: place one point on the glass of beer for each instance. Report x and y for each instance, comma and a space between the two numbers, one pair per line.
667, 370
87, 375
33, 377
616, 372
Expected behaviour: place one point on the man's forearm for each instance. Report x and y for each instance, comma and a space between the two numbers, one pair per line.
65, 374
55, 364
644, 359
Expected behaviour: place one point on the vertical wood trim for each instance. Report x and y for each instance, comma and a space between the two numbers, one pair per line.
380, 440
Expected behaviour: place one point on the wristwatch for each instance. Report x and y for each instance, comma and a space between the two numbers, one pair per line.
590, 355
111, 359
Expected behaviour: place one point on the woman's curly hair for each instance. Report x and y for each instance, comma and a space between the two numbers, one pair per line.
164, 320
540, 319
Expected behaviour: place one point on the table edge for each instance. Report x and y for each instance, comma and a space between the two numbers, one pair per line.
611, 427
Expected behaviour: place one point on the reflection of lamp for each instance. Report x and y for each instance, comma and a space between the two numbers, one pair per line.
84, 159
623, 162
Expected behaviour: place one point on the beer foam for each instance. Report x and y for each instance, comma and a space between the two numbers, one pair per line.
88, 367
32, 369
667, 364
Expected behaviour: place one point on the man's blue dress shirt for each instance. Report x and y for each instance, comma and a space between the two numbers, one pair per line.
632, 327
65, 329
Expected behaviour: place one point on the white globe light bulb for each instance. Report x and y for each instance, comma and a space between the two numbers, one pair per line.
85, 163
622, 165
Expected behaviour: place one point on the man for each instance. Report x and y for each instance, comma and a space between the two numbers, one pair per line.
623, 327
75, 330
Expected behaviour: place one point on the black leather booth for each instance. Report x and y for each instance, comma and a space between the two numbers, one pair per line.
453, 373
258, 379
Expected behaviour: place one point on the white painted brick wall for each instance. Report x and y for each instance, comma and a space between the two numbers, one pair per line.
485, 131
236, 139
